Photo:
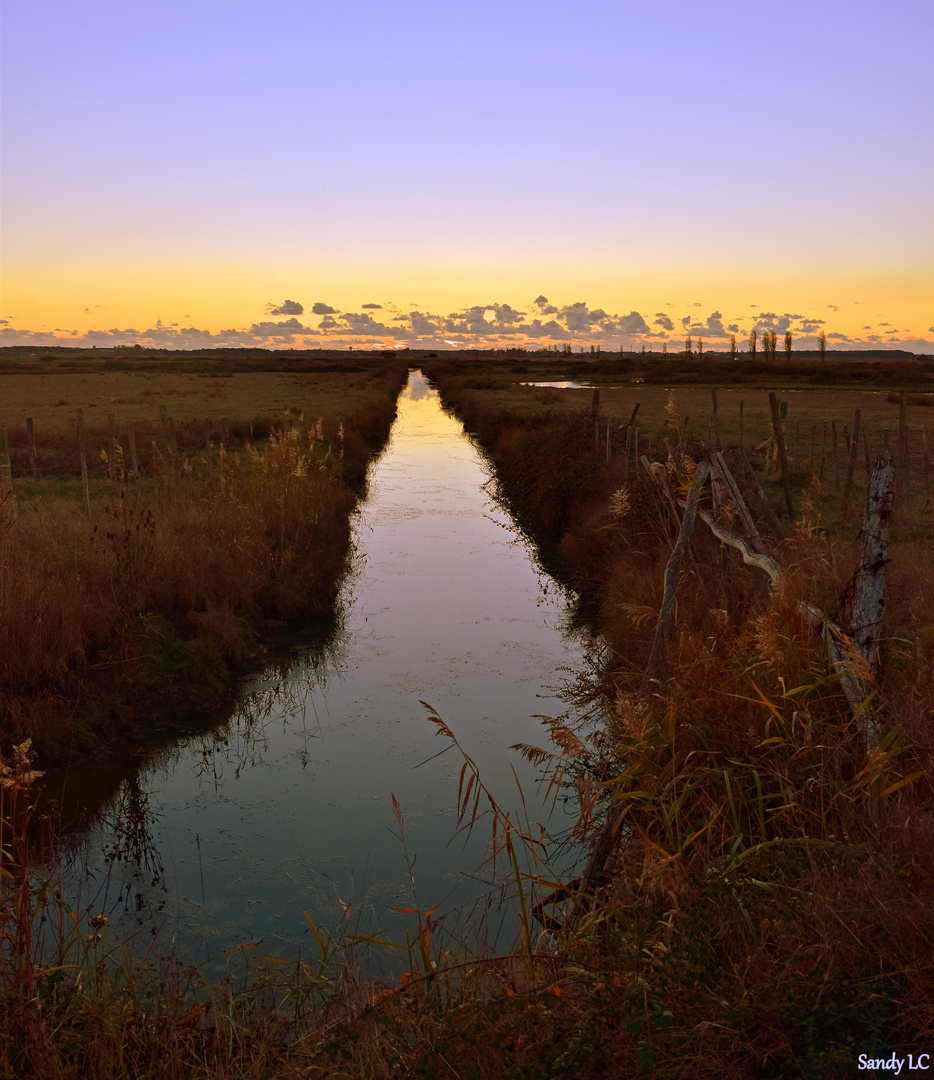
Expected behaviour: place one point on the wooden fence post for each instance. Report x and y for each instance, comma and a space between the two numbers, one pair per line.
658, 661
780, 443
851, 462
134, 460
6, 465
760, 495
868, 600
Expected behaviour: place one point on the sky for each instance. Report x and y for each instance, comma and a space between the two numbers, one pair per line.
298, 173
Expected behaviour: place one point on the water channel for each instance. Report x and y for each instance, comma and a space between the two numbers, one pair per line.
229, 835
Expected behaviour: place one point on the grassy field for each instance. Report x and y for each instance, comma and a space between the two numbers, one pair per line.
142, 598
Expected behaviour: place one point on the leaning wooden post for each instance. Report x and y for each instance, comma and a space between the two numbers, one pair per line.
31, 437
868, 589
6, 465
780, 444
760, 495
82, 454
851, 463
658, 661
726, 478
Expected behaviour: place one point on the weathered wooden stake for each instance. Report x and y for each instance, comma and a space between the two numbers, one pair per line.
794, 459
658, 661
224, 436
632, 419
6, 464
721, 470
134, 460
851, 463
782, 460
770, 514
868, 589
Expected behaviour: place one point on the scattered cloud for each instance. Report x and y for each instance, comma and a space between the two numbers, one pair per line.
493, 324
287, 307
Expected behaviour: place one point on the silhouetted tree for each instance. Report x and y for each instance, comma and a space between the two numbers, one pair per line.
787, 344
822, 345
753, 341
733, 346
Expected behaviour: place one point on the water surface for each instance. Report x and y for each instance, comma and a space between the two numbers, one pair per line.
231, 836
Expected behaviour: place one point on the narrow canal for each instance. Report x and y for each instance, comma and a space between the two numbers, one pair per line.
230, 836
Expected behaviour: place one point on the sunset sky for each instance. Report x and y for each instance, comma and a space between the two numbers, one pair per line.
347, 172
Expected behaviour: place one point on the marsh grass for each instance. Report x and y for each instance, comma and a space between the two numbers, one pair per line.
164, 592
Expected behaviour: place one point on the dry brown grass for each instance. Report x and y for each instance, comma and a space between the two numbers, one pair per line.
158, 596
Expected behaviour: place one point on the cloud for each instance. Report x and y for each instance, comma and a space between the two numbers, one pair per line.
482, 325
833, 307
715, 324
278, 329
287, 307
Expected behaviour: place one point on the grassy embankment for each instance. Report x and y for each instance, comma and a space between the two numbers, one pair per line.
770, 905
768, 912
145, 599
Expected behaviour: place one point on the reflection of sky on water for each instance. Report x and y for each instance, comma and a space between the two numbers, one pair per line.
289, 808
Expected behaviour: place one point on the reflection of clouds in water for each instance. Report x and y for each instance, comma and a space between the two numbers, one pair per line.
417, 388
